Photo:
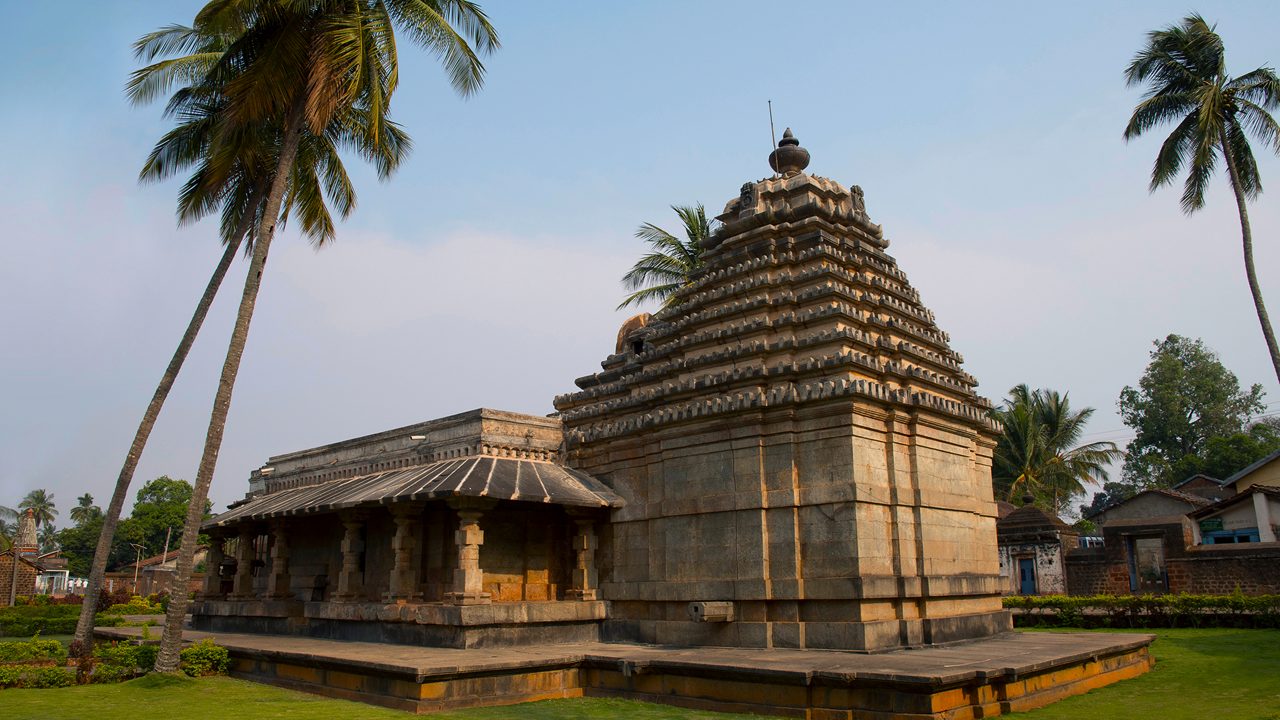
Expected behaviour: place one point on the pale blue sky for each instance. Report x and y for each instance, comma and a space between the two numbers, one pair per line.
986, 137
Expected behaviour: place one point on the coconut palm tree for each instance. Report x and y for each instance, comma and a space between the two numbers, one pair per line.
40, 502
1184, 69
85, 510
304, 66
1037, 453
235, 179
671, 262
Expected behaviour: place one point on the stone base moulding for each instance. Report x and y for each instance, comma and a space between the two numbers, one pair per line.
440, 625
1009, 673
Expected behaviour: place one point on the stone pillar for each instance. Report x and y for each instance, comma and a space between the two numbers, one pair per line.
468, 578
585, 583
1263, 513
242, 585
212, 589
279, 580
404, 546
350, 578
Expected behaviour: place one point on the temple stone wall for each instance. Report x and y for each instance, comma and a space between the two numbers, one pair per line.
524, 555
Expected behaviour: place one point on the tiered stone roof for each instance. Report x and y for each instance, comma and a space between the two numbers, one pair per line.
797, 301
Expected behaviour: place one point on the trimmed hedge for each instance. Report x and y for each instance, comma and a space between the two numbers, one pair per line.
1146, 611
28, 620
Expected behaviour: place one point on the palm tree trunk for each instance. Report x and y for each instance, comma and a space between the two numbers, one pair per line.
1249, 270
171, 642
84, 626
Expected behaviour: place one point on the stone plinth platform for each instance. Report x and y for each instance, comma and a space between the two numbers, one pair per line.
430, 624
1008, 673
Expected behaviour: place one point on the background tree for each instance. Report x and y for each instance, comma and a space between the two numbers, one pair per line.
48, 538
40, 501
84, 510
671, 262
78, 544
1037, 452
1184, 68
8, 526
159, 512
302, 67
1185, 398
1224, 456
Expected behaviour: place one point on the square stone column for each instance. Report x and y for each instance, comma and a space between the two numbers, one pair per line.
279, 580
468, 578
242, 584
350, 578
585, 583
407, 557
212, 589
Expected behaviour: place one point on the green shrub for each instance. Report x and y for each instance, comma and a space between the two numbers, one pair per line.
104, 673
1146, 611
204, 658
51, 677
34, 676
136, 606
142, 656
22, 651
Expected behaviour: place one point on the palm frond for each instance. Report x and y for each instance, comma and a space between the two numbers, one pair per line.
1173, 152
1258, 121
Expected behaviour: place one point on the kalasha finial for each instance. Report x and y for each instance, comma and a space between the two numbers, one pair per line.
789, 158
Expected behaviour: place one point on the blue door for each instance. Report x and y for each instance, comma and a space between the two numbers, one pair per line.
1026, 576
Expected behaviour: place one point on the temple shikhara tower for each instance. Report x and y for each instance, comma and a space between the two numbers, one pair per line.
794, 437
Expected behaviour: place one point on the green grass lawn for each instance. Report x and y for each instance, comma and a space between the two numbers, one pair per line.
1214, 674
1199, 675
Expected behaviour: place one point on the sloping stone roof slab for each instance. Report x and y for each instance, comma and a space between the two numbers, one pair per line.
476, 476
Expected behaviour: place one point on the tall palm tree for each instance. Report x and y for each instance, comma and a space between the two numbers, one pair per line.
235, 178
1184, 68
1037, 453
304, 66
40, 501
84, 510
671, 262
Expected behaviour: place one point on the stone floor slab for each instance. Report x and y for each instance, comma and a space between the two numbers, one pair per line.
1010, 672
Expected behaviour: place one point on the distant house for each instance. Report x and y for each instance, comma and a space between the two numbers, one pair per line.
1209, 488
20, 582
1250, 517
1150, 505
153, 574
1182, 540
54, 576
1263, 472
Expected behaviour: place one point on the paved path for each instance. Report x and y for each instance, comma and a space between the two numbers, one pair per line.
1004, 655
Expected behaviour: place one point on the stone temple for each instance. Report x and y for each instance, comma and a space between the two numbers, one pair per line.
788, 457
